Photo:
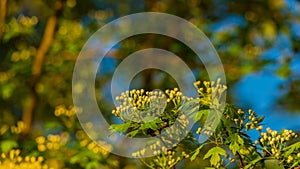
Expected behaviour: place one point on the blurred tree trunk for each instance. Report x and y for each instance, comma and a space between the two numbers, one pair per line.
2, 17
48, 35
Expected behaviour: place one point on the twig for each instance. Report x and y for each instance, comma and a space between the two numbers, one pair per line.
37, 67
240, 159
145, 163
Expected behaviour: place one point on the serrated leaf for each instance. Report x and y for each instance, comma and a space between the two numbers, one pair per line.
235, 142
234, 147
214, 154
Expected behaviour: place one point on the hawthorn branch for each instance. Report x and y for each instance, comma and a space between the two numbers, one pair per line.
2, 17
37, 68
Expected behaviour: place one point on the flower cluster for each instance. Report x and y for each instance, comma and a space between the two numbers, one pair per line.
164, 158
66, 114
15, 129
14, 160
62, 110
253, 121
23, 53
4, 76
52, 142
144, 106
28, 21
18, 128
248, 121
91, 145
207, 131
140, 106
176, 97
273, 142
95, 148
156, 148
211, 92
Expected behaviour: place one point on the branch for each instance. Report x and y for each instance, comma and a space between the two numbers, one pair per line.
37, 67
2, 17
240, 159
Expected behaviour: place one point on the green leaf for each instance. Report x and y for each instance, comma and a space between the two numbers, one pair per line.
214, 155
239, 139
153, 125
92, 164
290, 149
132, 133
120, 127
295, 164
234, 147
200, 114
150, 125
273, 163
7, 145
235, 142
75, 159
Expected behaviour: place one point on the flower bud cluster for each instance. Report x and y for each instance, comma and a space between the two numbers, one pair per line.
168, 159
274, 142
27, 21
96, 147
244, 120
4, 76
138, 104
62, 110
210, 93
15, 129
18, 128
176, 97
253, 121
99, 147
207, 131
13, 159
52, 142
176, 132
156, 148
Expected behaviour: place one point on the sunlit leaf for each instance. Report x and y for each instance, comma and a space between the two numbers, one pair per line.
215, 154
